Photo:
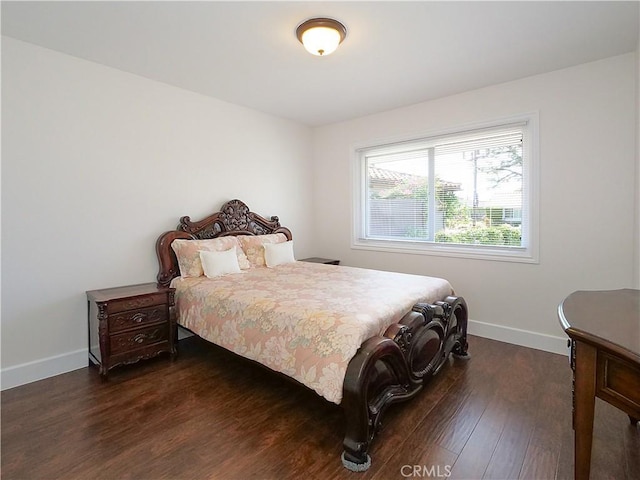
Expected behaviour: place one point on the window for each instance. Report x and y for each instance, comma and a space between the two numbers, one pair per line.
464, 193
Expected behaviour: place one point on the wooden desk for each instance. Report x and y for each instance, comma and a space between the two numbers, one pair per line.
604, 328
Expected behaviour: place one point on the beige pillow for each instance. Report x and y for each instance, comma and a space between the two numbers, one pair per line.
253, 246
188, 253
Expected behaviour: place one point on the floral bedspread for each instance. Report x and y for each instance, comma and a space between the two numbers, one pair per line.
305, 320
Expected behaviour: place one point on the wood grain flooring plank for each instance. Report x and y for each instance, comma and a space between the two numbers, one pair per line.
474, 457
520, 389
483, 387
607, 450
554, 398
418, 460
509, 387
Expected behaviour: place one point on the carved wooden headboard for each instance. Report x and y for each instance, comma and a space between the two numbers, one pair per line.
234, 218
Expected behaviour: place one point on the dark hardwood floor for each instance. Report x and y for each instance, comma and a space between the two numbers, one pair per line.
503, 414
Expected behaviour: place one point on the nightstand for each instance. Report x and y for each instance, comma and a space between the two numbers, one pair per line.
128, 324
327, 261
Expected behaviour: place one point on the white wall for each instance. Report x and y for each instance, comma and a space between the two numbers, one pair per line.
96, 163
587, 194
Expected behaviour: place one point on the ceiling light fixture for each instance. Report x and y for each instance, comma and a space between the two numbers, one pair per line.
321, 36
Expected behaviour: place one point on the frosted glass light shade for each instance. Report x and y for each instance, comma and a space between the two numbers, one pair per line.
321, 36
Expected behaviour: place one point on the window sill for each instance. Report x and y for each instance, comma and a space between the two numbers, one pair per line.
477, 252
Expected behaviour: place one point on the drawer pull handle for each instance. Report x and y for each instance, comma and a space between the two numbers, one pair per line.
139, 317
141, 337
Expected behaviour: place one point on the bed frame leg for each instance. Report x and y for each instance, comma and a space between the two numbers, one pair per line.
461, 349
355, 465
459, 309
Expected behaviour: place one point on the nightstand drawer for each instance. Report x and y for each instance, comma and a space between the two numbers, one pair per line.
126, 342
135, 303
136, 318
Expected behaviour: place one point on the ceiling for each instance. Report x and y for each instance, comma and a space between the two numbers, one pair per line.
395, 53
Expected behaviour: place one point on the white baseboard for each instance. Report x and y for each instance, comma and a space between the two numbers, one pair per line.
516, 336
48, 367
40, 369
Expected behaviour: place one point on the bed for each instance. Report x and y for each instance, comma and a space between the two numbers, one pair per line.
363, 339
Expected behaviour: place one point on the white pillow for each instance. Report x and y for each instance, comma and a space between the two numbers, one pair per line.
278, 253
216, 264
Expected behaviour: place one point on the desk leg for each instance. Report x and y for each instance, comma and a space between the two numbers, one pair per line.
584, 398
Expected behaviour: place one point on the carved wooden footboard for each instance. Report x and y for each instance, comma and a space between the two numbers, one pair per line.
394, 367
386, 369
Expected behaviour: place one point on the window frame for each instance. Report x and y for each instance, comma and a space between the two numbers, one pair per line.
528, 253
